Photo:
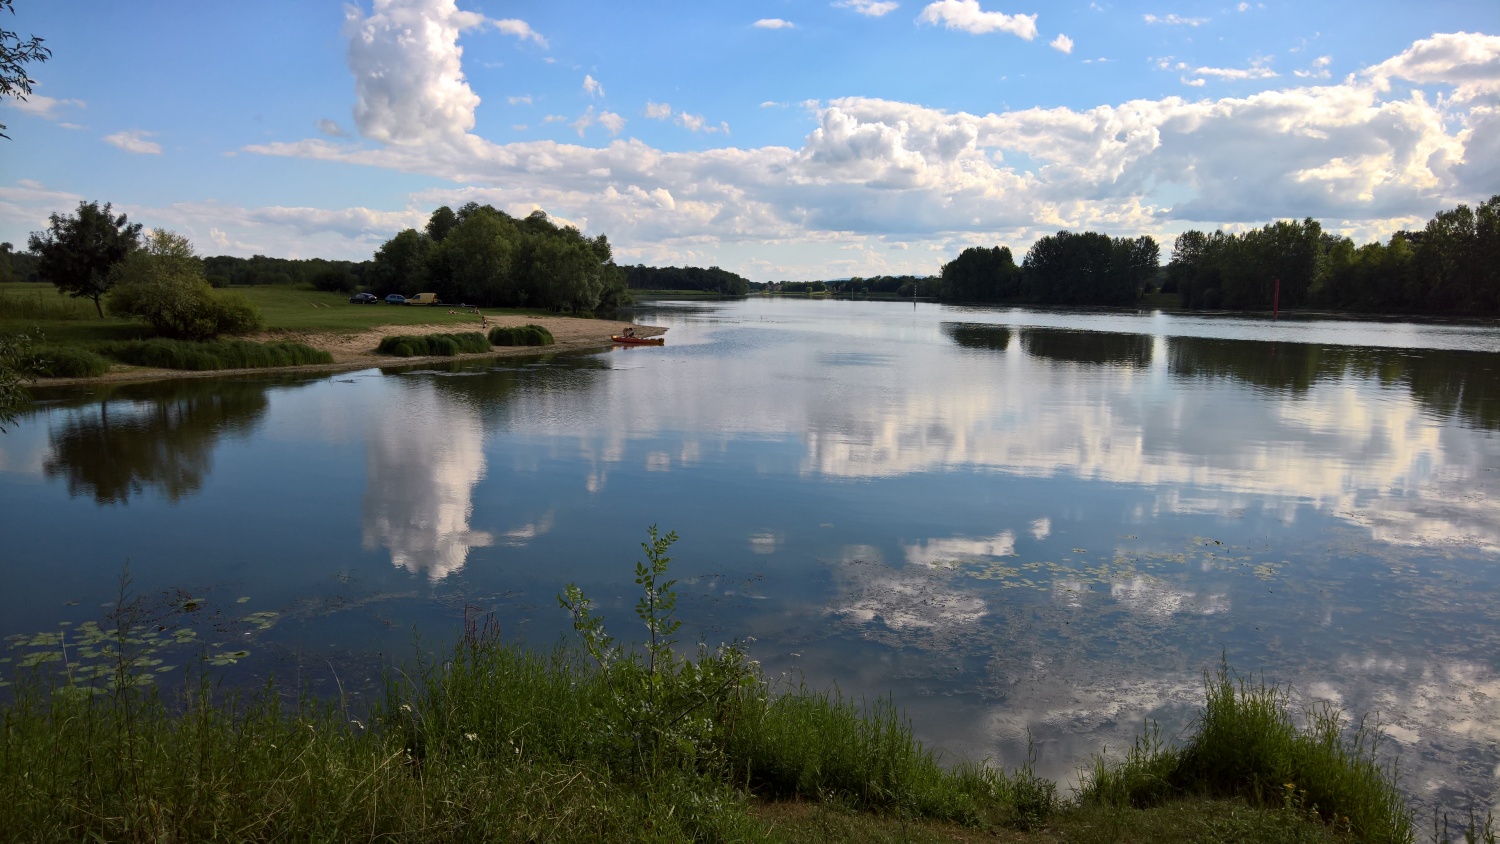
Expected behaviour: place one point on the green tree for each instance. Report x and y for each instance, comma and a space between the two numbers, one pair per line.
1087, 268
981, 275
164, 285
473, 263
401, 264
15, 374
440, 223
14, 56
78, 254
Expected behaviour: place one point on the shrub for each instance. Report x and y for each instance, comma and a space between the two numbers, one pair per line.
1247, 746
424, 345
230, 354
521, 335
68, 362
163, 285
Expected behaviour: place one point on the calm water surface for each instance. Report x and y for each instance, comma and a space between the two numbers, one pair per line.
1007, 520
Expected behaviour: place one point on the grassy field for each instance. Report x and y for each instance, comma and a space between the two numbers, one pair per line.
61, 319
69, 334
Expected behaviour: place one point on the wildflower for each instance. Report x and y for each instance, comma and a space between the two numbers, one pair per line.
471, 736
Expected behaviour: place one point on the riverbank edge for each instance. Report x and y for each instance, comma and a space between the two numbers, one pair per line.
126, 374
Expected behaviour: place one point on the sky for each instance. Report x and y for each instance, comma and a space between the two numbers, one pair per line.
780, 139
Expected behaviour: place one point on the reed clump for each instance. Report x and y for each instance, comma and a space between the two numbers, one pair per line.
162, 353
433, 345
521, 335
1247, 746
67, 362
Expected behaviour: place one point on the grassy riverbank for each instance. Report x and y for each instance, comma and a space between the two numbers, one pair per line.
595, 742
498, 744
39, 308
302, 328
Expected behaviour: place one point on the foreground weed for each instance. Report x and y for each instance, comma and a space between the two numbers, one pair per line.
667, 712
1476, 831
1247, 746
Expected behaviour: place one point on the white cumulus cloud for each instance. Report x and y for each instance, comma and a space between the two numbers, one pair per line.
1176, 20
1365, 155
134, 140
1062, 44
331, 128
408, 81
1319, 69
1469, 61
773, 23
592, 87
967, 16
40, 106
611, 121
520, 29
873, 8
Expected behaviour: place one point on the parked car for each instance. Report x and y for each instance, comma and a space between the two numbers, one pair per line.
424, 299
363, 299
395, 299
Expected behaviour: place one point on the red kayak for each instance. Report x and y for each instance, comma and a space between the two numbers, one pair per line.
638, 341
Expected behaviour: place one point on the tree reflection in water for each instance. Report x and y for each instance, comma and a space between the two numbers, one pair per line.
159, 436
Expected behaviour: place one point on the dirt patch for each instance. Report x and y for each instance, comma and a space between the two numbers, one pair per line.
356, 349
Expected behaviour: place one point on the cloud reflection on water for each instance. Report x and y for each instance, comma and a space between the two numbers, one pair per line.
423, 464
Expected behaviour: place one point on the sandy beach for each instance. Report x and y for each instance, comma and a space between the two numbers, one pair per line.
356, 349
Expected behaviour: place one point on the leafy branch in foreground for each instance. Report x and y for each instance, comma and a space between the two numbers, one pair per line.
15, 374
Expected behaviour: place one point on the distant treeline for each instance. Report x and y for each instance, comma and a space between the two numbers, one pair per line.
1452, 266
18, 266
885, 285
1086, 268
225, 271
711, 280
480, 255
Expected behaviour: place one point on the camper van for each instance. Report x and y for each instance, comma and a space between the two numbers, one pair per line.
424, 299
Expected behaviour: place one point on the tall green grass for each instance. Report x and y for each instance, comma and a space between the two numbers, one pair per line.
67, 362
1247, 745
429, 345
224, 354
31, 302
521, 335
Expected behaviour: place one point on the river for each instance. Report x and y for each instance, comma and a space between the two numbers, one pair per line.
1010, 521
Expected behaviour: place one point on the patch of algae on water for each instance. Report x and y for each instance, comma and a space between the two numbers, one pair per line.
1201, 555
89, 654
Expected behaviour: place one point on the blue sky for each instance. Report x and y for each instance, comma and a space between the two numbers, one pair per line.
782, 140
